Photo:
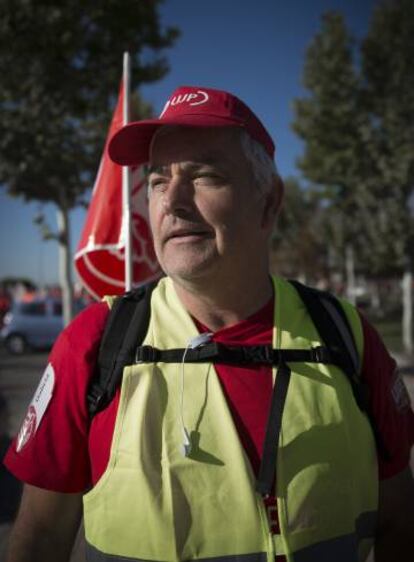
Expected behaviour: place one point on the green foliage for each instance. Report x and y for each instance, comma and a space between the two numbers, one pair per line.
326, 119
297, 244
61, 65
388, 95
357, 123
8, 283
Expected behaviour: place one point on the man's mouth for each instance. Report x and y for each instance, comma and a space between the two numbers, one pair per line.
188, 235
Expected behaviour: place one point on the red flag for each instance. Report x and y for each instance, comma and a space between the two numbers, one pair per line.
99, 259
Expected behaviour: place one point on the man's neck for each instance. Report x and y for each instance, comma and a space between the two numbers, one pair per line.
219, 307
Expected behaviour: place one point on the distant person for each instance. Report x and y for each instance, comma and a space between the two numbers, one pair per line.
5, 302
275, 445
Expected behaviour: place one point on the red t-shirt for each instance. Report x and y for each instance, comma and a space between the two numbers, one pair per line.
65, 454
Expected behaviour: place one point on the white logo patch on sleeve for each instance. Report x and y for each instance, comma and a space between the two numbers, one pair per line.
400, 393
37, 408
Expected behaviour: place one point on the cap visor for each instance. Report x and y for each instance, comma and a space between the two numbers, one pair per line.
130, 145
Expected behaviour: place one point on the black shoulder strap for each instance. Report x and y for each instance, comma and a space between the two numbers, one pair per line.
126, 328
332, 325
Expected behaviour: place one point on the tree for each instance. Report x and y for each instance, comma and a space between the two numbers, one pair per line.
358, 128
328, 121
388, 93
61, 66
298, 248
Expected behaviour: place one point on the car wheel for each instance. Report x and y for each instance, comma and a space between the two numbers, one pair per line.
16, 344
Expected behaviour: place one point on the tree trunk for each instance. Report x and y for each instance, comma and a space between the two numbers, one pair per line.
407, 316
375, 301
65, 263
350, 274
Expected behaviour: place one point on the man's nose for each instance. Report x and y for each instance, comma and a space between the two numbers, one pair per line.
178, 197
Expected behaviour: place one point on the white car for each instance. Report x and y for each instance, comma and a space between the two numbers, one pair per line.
33, 325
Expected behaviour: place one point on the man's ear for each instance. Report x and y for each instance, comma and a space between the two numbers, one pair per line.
273, 202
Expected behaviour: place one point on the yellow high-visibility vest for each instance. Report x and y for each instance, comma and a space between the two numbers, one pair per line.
154, 504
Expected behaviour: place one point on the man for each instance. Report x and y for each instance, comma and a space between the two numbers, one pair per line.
168, 470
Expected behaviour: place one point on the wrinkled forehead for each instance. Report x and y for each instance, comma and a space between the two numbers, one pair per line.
195, 144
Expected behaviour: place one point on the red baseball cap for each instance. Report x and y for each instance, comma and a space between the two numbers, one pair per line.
190, 106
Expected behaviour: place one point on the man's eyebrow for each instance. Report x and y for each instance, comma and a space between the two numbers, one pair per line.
207, 160
154, 169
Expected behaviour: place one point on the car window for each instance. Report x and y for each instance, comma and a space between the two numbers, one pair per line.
33, 308
57, 309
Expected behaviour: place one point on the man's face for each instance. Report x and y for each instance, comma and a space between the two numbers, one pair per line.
206, 216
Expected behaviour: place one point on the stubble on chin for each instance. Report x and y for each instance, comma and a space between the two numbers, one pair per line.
188, 265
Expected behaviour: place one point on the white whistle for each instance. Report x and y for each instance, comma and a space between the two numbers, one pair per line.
186, 448
201, 339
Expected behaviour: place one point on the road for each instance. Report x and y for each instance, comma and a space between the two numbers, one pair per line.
19, 377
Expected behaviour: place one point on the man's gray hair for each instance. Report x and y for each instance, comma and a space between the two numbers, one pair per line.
263, 166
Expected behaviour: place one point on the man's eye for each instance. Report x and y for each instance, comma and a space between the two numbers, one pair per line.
207, 179
157, 183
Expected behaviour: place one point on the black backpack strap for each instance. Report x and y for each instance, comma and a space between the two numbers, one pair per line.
333, 327
215, 352
126, 328
267, 471
335, 332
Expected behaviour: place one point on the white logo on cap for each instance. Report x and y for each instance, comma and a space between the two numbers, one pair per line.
193, 98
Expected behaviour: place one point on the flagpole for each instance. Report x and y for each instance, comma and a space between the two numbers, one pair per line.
126, 184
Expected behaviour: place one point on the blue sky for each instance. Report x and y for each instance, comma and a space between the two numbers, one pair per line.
254, 49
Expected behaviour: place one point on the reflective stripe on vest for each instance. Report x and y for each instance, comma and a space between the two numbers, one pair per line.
154, 504
93, 555
338, 549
